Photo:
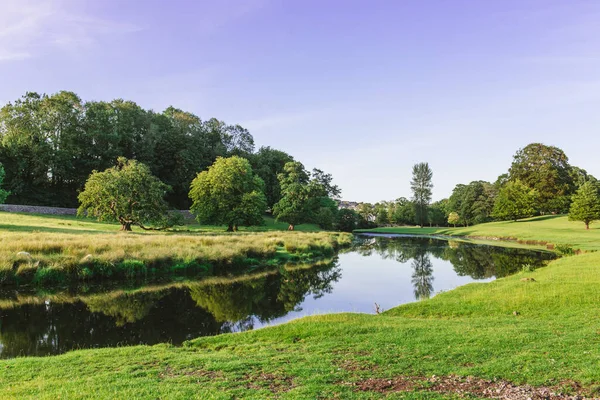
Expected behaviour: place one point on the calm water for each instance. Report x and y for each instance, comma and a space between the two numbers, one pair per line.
382, 270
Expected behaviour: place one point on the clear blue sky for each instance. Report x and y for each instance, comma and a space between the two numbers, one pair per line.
361, 89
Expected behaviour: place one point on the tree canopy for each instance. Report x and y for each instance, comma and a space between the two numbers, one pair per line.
586, 204
50, 144
129, 194
228, 193
268, 163
305, 199
515, 200
3, 193
545, 169
421, 187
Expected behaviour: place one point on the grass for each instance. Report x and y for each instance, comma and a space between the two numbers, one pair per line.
45, 250
538, 327
554, 229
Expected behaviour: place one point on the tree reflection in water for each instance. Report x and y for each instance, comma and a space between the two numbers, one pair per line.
422, 277
44, 324
147, 316
468, 259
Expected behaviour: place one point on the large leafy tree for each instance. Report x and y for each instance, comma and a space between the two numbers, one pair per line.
25, 152
3, 193
305, 199
293, 207
129, 194
268, 163
421, 186
545, 169
515, 200
473, 202
586, 204
228, 193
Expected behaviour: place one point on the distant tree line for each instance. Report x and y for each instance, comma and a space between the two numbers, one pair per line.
539, 181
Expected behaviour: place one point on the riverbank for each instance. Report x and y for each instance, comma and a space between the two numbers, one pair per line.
538, 328
544, 230
46, 251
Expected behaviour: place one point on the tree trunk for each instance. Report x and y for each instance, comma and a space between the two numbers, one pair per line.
291, 227
235, 228
587, 225
230, 228
126, 226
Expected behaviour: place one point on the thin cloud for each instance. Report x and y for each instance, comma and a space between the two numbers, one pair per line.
29, 28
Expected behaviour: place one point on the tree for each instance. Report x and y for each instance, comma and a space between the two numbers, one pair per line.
515, 200
3, 193
453, 218
586, 204
293, 205
403, 212
545, 169
421, 187
304, 199
437, 213
129, 194
228, 193
473, 202
347, 220
268, 163
366, 212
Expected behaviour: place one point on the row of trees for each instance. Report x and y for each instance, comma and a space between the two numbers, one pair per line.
228, 193
50, 144
539, 181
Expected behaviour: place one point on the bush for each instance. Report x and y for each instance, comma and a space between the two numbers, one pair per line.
564, 249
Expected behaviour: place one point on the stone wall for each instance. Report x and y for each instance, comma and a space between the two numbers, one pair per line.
58, 211
38, 209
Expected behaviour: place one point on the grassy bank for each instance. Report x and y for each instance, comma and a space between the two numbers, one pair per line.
46, 250
539, 328
551, 229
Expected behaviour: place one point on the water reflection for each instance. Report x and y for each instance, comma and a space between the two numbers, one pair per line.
422, 277
376, 269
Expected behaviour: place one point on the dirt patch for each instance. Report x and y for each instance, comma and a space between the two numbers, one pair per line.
472, 387
272, 382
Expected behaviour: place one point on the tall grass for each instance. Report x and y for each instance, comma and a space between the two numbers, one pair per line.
46, 258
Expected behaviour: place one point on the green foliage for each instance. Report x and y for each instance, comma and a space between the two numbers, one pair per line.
228, 193
453, 218
402, 212
564, 249
347, 220
127, 193
515, 200
305, 199
586, 204
473, 202
421, 187
3, 193
438, 213
50, 144
545, 169
267, 163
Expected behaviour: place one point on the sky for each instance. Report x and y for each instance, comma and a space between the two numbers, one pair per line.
360, 89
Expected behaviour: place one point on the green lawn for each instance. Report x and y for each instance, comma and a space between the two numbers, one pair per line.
22, 222
552, 229
540, 328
